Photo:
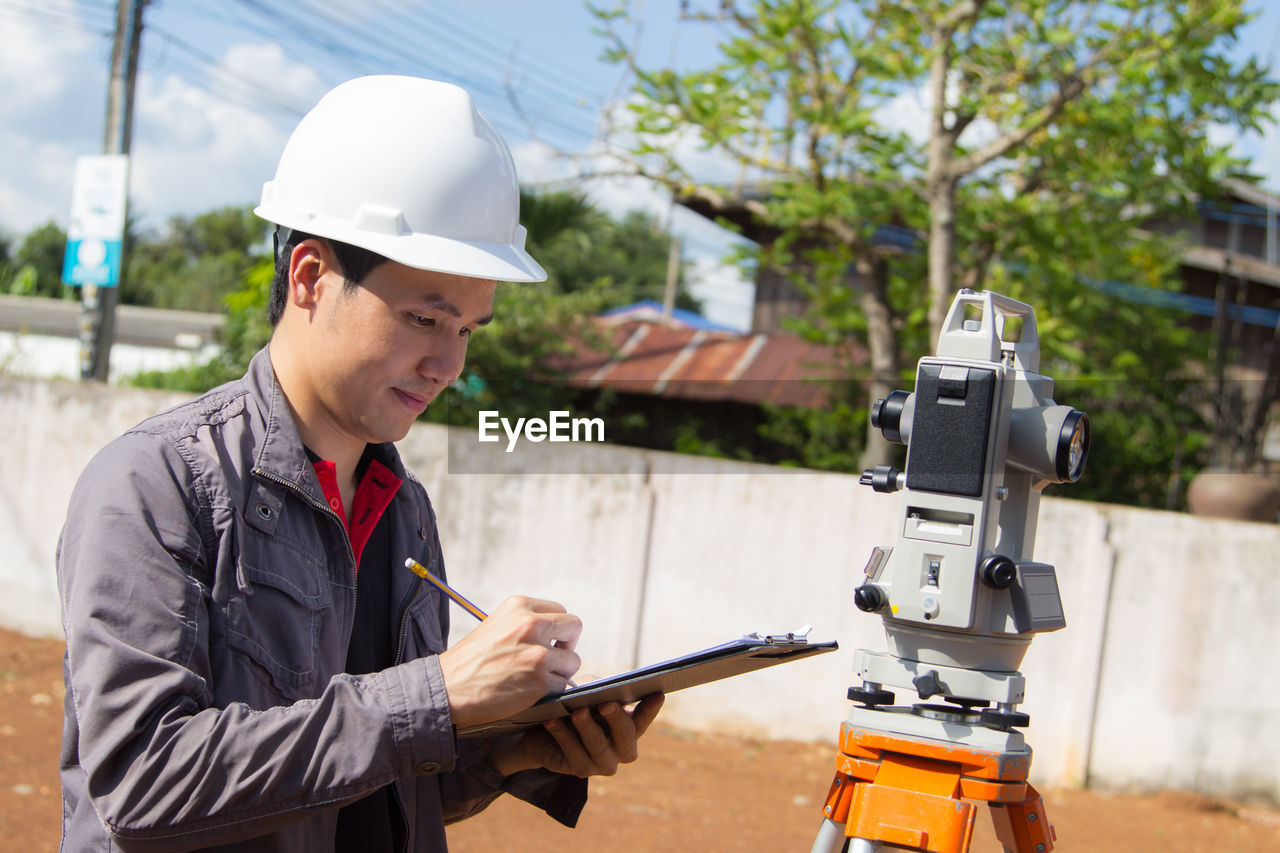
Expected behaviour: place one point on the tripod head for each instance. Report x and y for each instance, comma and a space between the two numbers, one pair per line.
984, 437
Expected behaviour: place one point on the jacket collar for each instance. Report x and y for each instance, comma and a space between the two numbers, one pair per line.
280, 452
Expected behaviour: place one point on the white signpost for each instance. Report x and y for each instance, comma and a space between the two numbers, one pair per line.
95, 235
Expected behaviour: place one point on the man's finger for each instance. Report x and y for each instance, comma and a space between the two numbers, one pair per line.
550, 628
622, 731
604, 759
646, 712
574, 756
562, 663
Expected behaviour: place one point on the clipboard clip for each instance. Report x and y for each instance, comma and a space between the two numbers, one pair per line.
800, 635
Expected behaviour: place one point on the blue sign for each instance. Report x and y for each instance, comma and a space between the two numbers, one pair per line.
92, 261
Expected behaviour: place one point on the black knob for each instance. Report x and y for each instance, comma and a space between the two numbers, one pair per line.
882, 478
870, 698
998, 719
886, 415
870, 598
998, 571
927, 684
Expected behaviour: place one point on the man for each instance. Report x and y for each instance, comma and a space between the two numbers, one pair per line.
248, 663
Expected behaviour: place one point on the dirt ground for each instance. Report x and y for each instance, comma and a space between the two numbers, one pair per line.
688, 792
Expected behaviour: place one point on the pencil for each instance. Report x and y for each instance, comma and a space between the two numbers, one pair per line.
458, 598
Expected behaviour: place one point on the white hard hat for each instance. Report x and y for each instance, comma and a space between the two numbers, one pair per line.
407, 168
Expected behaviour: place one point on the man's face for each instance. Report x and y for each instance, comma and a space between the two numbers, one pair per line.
384, 350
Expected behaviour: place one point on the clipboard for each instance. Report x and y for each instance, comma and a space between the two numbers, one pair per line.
746, 654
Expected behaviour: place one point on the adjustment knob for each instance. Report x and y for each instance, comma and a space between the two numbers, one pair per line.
870, 698
870, 598
886, 415
927, 684
882, 478
996, 718
998, 571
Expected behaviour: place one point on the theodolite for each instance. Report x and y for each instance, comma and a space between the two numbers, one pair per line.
959, 594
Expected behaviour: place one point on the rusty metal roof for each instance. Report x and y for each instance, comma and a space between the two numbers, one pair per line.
672, 360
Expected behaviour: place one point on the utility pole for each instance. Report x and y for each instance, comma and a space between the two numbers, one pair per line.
98, 304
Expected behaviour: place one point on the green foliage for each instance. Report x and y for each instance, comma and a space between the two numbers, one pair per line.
583, 248
1052, 131
195, 263
818, 438
36, 267
246, 331
6, 263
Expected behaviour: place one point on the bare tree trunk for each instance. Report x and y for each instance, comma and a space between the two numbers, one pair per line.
942, 250
940, 184
882, 347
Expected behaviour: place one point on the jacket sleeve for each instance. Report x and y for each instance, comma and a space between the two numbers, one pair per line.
559, 795
164, 768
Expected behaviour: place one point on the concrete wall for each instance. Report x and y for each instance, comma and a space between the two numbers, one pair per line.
1162, 679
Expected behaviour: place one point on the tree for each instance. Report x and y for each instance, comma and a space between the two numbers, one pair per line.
194, 263
37, 264
1051, 129
6, 262
583, 248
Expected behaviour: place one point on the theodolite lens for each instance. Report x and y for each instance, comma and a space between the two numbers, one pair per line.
1073, 447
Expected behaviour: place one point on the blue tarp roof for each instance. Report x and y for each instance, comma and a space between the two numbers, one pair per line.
681, 315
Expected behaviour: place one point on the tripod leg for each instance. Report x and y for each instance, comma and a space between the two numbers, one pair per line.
1023, 827
835, 811
830, 837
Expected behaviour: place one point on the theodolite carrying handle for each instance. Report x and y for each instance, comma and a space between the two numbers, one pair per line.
986, 338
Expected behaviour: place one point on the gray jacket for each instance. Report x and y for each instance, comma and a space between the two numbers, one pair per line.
207, 594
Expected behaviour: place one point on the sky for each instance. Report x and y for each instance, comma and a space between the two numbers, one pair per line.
222, 82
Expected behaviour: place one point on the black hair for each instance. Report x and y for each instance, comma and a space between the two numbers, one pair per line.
355, 263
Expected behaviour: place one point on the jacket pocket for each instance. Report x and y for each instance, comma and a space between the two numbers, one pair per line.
426, 631
277, 616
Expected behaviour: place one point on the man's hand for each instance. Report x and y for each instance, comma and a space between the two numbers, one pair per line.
589, 742
522, 652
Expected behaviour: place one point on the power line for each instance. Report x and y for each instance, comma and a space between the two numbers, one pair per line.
254, 91
290, 26
389, 47
65, 20
562, 90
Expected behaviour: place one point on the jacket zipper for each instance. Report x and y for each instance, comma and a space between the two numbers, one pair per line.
327, 510
355, 592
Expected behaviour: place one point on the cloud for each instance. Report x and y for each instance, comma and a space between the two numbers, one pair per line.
202, 145
54, 85
41, 60
201, 139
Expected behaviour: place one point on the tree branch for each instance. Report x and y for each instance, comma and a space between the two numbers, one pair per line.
1070, 85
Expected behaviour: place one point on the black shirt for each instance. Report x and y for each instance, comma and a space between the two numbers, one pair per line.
376, 822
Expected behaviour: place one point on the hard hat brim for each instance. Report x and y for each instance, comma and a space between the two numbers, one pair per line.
496, 261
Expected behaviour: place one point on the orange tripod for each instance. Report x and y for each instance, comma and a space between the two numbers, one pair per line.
909, 792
